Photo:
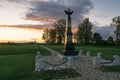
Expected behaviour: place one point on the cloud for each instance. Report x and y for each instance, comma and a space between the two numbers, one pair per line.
96, 23
14, 1
102, 16
54, 9
37, 27
105, 31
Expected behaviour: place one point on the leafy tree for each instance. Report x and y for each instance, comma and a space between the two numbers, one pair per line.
52, 36
97, 38
110, 40
49, 35
85, 31
116, 23
46, 36
60, 27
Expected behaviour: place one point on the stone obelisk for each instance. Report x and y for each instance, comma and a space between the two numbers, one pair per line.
69, 46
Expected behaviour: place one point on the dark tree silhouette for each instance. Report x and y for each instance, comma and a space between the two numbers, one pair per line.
116, 23
97, 38
52, 36
46, 36
110, 40
85, 32
60, 27
56, 35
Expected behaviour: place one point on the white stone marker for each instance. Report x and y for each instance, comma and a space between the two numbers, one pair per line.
70, 62
37, 57
41, 64
99, 55
38, 54
80, 53
96, 61
54, 54
116, 60
88, 54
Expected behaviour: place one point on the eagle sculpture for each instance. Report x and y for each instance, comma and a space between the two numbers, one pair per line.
68, 12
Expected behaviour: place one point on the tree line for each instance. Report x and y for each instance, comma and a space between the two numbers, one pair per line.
84, 35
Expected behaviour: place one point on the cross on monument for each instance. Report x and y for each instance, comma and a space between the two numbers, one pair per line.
69, 46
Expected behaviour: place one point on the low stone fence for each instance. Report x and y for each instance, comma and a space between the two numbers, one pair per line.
99, 61
66, 62
41, 62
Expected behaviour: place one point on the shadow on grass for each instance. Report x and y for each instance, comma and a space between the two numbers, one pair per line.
58, 74
110, 68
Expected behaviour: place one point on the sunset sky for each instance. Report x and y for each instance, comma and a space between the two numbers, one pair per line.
24, 20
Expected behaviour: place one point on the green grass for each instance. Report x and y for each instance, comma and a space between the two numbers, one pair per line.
107, 51
10, 49
21, 67
56, 74
110, 68
17, 63
15, 67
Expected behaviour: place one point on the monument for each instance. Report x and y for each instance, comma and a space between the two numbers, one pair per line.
69, 46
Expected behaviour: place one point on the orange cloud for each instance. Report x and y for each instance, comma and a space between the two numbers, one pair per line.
74, 29
30, 27
49, 19
33, 18
38, 27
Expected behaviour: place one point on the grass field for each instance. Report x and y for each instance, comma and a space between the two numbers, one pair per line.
12, 49
17, 63
107, 51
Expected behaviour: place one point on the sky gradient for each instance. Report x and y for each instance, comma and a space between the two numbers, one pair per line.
104, 11
28, 18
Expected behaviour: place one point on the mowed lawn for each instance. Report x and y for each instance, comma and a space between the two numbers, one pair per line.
107, 51
10, 49
17, 61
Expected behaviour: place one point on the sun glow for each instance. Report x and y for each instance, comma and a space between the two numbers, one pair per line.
11, 34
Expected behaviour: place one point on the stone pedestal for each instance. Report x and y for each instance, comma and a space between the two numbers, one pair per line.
69, 46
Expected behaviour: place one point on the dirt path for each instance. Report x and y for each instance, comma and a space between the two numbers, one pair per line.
49, 49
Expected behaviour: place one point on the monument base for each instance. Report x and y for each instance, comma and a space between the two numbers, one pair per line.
70, 53
70, 50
